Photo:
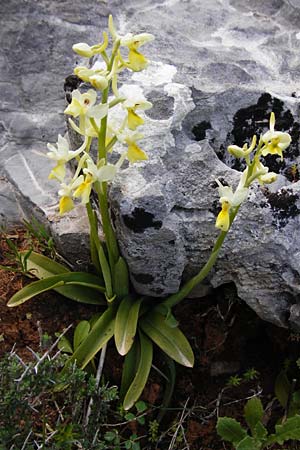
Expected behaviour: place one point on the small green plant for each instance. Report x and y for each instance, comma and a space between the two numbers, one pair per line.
236, 380
37, 233
19, 259
285, 392
258, 437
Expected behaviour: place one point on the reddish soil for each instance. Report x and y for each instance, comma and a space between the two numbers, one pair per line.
226, 336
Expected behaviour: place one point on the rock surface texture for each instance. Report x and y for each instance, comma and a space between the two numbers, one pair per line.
218, 69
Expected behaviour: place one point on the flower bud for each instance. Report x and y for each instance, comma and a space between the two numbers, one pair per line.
236, 151
83, 49
268, 178
98, 82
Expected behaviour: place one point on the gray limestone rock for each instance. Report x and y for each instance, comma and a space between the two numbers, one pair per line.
218, 69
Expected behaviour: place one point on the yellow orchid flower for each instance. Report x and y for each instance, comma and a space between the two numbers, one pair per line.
81, 103
134, 100
135, 153
229, 199
242, 152
61, 153
87, 51
223, 219
134, 120
275, 141
66, 204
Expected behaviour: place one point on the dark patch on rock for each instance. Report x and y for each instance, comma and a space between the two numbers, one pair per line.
143, 278
283, 206
199, 130
215, 207
71, 83
171, 242
140, 219
255, 120
163, 106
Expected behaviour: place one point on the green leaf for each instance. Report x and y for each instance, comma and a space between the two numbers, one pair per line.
129, 368
64, 344
100, 334
260, 432
81, 332
282, 388
126, 323
167, 312
253, 412
289, 430
230, 430
141, 377
54, 282
43, 267
105, 271
249, 443
121, 278
171, 340
140, 406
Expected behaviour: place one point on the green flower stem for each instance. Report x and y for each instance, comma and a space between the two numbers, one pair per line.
116, 101
111, 241
189, 285
111, 143
97, 252
101, 188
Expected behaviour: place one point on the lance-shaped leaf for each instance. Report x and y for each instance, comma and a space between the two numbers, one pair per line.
55, 281
139, 382
43, 267
99, 335
126, 323
171, 340
253, 412
129, 367
121, 278
81, 333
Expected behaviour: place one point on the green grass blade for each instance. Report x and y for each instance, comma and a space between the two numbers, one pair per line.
126, 324
171, 340
139, 382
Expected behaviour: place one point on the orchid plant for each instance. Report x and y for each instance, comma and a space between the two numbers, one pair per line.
107, 115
